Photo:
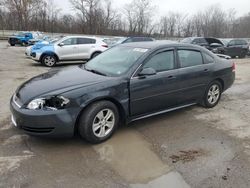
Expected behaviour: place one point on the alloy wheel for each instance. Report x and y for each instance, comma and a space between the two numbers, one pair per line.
49, 61
213, 94
103, 123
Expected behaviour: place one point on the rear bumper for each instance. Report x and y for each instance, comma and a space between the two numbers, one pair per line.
228, 80
59, 123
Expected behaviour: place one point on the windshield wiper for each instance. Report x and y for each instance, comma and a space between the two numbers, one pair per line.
95, 71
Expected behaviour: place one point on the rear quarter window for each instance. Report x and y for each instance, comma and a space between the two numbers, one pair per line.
208, 58
86, 41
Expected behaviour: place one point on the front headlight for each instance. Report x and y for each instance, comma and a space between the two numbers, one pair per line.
50, 103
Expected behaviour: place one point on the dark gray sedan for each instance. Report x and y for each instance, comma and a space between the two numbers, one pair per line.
124, 84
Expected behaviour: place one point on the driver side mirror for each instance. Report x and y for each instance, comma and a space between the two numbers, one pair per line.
147, 72
61, 44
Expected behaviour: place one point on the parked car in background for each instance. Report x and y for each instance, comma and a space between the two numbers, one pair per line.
39, 39
112, 41
21, 38
126, 83
248, 50
71, 48
32, 49
208, 42
132, 39
234, 48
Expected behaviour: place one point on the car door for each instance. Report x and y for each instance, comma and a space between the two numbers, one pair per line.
85, 47
231, 49
67, 49
194, 75
156, 92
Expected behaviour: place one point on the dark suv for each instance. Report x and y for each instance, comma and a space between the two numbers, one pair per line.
234, 48
209, 43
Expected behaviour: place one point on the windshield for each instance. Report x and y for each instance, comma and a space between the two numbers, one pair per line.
115, 61
53, 41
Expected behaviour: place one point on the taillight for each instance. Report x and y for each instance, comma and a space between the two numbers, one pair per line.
105, 46
233, 67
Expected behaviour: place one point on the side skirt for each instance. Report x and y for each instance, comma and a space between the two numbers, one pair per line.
161, 112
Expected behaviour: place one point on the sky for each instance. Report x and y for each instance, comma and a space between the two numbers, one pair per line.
183, 6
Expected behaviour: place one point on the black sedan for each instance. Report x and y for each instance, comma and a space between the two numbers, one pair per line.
126, 83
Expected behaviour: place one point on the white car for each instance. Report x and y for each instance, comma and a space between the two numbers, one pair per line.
71, 48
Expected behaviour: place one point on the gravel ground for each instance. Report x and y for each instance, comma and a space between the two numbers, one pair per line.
192, 147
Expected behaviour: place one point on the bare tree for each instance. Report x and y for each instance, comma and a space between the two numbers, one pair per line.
138, 14
135, 18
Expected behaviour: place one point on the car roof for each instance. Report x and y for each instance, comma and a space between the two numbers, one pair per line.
159, 44
80, 36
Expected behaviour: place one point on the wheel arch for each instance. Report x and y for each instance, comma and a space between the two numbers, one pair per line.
221, 82
49, 53
119, 106
98, 51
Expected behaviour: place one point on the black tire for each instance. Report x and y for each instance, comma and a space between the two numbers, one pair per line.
49, 60
243, 54
87, 118
207, 102
95, 54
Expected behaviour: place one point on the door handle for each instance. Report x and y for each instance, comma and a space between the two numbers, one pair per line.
171, 77
206, 70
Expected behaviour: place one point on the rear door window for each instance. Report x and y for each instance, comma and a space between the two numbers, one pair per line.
85, 41
189, 58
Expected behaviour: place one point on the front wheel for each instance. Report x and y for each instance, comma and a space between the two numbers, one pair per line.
49, 60
98, 122
212, 95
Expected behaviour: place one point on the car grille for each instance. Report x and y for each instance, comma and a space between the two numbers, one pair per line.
38, 130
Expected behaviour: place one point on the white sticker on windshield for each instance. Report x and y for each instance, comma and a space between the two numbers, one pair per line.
142, 50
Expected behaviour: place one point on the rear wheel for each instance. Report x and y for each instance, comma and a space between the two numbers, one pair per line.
49, 60
98, 122
212, 95
243, 54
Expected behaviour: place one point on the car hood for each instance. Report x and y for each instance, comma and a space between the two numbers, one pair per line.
57, 81
213, 40
40, 45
